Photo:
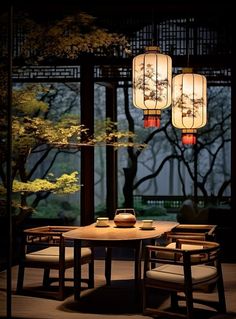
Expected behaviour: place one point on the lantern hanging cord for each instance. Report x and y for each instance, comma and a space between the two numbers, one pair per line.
154, 30
187, 41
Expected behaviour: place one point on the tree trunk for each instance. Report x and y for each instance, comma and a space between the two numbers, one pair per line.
128, 187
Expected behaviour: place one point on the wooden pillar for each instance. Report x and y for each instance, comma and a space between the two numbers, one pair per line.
195, 182
233, 135
111, 154
9, 164
87, 153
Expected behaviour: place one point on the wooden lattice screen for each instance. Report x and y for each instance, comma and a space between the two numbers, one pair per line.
204, 43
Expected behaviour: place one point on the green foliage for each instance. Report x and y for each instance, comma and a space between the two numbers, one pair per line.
26, 101
31, 132
106, 132
70, 37
67, 183
35, 136
56, 208
147, 210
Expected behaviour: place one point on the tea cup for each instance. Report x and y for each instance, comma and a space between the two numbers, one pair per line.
102, 221
147, 223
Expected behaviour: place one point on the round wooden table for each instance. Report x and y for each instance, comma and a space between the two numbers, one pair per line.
113, 236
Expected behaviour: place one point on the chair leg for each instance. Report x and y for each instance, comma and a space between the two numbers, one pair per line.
144, 293
61, 284
174, 300
46, 275
189, 302
21, 272
91, 274
108, 265
221, 295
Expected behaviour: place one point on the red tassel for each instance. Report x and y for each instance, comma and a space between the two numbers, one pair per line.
188, 138
151, 121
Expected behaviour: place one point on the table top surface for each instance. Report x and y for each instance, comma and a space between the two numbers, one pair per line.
114, 233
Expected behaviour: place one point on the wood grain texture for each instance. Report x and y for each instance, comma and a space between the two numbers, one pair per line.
91, 232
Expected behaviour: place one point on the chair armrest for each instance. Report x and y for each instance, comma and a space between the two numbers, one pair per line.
206, 253
202, 243
192, 231
45, 236
49, 230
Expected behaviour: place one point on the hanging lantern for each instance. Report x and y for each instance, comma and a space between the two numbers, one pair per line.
189, 104
152, 72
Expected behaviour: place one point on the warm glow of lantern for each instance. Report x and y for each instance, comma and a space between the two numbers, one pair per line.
151, 118
152, 72
189, 136
189, 104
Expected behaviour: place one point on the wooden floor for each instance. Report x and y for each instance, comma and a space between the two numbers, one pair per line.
116, 301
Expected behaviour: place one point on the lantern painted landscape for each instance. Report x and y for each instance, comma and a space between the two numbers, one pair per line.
189, 100
152, 84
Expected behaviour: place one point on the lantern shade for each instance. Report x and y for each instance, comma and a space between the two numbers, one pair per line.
152, 72
189, 102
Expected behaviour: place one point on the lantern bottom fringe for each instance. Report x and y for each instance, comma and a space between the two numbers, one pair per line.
151, 121
189, 138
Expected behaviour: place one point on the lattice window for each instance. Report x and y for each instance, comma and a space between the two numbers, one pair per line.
46, 73
182, 37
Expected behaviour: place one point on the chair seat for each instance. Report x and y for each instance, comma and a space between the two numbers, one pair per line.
45, 247
185, 246
170, 255
188, 271
175, 273
51, 255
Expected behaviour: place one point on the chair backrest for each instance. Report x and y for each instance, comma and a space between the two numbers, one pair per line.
187, 271
208, 252
38, 238
192, 231
45, 247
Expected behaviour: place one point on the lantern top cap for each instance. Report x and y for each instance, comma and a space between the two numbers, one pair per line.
153, 48
187, 70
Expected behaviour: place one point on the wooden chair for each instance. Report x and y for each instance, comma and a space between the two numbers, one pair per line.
187, 231
45, 247
192, 231
187, 272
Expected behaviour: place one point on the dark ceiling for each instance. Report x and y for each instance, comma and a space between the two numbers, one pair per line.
111, 13
119, 8
129, 16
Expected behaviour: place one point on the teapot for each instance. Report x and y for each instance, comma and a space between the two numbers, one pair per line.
125, 217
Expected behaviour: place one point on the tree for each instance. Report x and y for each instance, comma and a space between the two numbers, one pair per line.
33, 130
213, 142
66, 39
34, 133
